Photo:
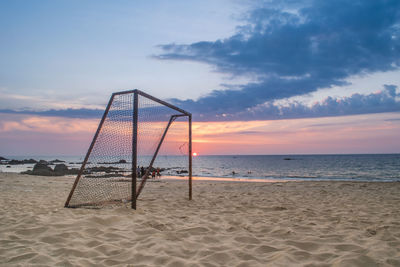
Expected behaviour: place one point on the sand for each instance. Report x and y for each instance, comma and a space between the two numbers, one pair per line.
226, 224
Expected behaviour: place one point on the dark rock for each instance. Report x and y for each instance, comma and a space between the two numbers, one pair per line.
287, 159
43, 162
42, 170
15, 162
40, 166
28, 161
61, 169
56, 161
8, 166
86, 162
20, 162
122, 161
1, 158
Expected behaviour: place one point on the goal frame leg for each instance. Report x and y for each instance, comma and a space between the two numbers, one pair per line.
134, 149
190, 156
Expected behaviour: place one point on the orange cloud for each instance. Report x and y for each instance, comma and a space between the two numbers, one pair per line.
56, 125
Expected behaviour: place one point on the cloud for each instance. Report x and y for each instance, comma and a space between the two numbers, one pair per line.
67, 113
48, 125
385, 100
294, 51
9, 99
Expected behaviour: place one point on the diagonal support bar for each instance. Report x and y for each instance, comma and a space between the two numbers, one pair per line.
78, 177
146, 175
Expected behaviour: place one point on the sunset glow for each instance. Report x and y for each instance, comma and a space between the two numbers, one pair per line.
350, 134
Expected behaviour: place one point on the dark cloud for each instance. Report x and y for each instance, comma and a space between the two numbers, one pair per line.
297, 52
386, 100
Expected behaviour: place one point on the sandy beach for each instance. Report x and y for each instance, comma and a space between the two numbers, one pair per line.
226, 224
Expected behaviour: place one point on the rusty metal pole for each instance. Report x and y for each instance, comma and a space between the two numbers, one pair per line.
134, 147
190, 157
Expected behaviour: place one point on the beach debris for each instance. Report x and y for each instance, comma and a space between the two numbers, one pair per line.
279, 208
370, 232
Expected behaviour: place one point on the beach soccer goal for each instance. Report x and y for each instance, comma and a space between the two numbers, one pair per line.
135, 135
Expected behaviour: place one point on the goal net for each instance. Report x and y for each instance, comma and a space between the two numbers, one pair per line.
139, 136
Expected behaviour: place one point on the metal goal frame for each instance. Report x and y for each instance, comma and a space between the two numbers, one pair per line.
135, 191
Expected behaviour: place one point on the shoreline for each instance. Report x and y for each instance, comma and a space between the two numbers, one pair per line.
266, 180
243, 179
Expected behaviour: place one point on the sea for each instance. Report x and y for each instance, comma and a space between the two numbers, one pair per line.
358, 167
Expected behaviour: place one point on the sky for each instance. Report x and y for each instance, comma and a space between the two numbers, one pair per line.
259, 77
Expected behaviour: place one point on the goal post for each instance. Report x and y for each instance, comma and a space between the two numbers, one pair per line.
133, 131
